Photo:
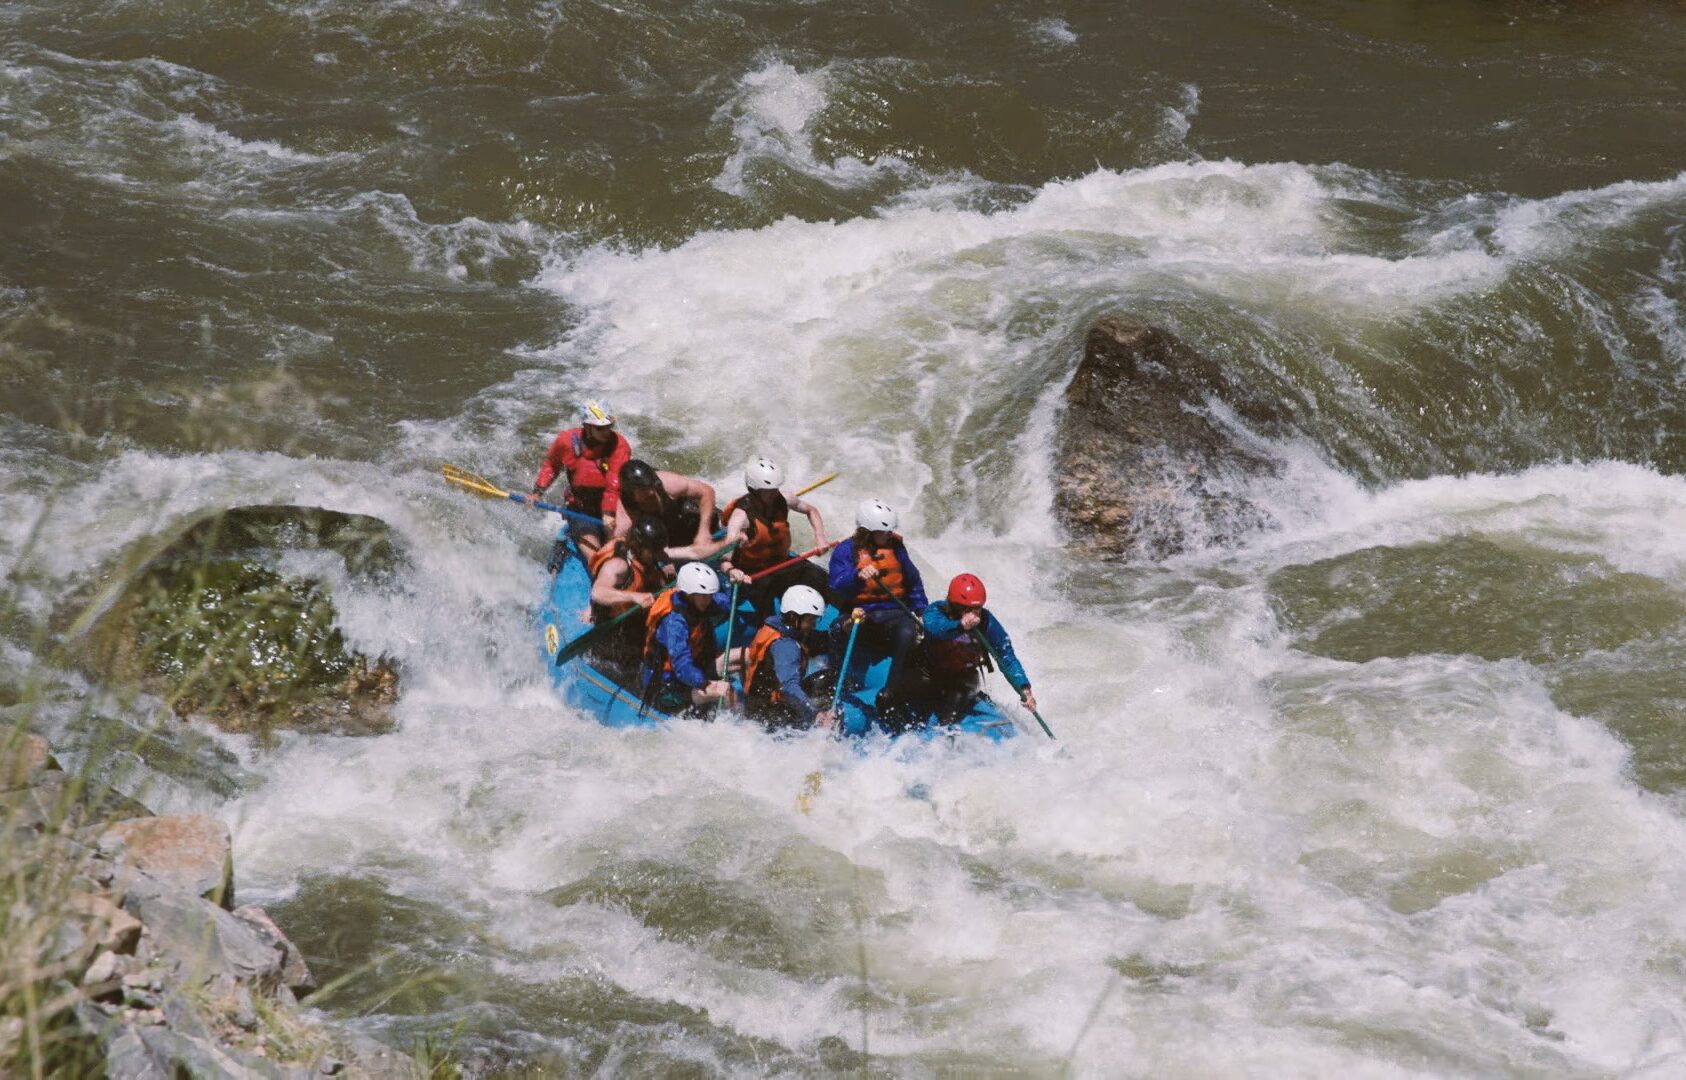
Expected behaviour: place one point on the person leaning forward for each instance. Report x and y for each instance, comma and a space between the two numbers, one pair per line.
626, 573
947, 677
683, 504
682, 663
759, 522
776, 662
590, 456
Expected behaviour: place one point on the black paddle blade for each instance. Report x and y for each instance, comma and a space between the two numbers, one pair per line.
578, 645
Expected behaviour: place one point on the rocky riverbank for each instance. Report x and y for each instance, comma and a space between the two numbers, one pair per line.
125, 953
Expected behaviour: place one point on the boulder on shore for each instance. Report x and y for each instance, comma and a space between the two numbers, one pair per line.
1147, 467
191, 852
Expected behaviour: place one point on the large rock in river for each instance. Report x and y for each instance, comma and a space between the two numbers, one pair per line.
1149, 464
208, 619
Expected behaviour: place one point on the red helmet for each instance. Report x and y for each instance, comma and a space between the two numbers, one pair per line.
966, 590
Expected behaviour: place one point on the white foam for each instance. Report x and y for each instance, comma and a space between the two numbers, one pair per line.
1250, 833
845, 329
218, 141
1056, 31
1540, 228
1219, 224
770, 117
1628, 514
1179, 118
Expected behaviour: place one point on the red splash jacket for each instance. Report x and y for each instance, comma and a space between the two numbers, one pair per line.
594, 477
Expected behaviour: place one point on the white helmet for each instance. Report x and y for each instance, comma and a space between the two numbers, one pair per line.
761, 474
594, 412
875, 515
698, 579
802, 600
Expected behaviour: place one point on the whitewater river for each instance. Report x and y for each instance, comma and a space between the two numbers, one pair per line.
1392, 787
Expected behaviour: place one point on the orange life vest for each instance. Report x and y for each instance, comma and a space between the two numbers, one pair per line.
642, 579
700, 630
759, 650
767, 540
889, 581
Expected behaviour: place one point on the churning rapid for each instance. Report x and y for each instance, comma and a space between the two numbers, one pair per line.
1390, 787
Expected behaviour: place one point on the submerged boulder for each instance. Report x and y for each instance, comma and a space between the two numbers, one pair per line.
1146, 468
208, 621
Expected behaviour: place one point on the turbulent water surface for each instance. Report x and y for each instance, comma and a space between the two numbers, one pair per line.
1393, 787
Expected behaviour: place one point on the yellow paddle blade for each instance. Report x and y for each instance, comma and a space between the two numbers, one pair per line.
469, 482
811, 785
822, 481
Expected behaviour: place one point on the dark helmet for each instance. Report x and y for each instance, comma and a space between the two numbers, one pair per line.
649, 534
638, 474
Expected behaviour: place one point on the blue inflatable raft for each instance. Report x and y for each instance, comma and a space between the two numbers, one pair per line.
585, 686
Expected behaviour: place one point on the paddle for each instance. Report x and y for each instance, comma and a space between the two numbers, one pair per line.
996, 657
584, 641
483, 487
793, 560
821, 482
843, 672
731, 624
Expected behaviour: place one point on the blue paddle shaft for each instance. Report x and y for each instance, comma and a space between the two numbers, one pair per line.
553, 508
843, 672
731, 624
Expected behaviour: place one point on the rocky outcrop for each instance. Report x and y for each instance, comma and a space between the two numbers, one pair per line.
193, 854
206, 621
133, 964
1150, 458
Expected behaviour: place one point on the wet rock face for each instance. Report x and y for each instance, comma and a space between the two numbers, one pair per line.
1144, 470
208, 623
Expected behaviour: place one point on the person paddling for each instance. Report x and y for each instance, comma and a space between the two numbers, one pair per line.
777, 659
626, 573
871, 571
591, 456
948, 676
683, 504
682, 663
759, 522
